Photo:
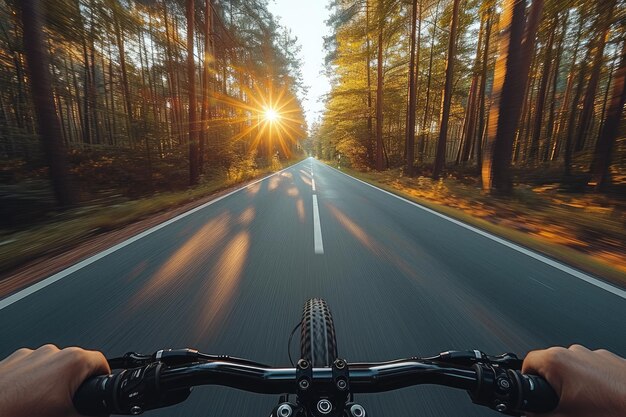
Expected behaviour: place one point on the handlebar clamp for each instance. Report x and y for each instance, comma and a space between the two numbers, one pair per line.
496, 389
131, 391
510, 392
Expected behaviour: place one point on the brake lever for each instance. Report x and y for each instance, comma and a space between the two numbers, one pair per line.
130, 360
470, 357
167, 356
506, 360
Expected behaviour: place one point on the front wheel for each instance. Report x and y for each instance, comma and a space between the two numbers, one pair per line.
317, 340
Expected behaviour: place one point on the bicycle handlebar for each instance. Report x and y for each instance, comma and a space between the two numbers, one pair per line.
160, 381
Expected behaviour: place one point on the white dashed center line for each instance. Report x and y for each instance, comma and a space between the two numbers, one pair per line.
317, 228
539, 282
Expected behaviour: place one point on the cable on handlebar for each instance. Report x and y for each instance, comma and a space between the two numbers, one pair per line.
167, 378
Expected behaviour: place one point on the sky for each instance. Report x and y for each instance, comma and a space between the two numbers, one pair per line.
305, 19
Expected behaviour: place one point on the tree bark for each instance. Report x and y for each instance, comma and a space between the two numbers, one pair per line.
191, 88
125, 85
410, 127
604, 21
469, 124
602, 154
209, 54
561, 131
422, 137
555, 83
483, 86
379, 92
446, 100
368, 68
541, 95
511, 76
38, 62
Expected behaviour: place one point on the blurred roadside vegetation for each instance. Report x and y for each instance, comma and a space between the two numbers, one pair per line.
33, 227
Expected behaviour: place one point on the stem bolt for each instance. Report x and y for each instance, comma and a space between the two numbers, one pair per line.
357, 411
324, 406
284, 410
303, 384
342, 384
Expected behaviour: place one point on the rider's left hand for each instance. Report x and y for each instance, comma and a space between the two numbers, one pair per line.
42, 382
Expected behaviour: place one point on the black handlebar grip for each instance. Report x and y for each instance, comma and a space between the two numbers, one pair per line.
95, 396
537, 395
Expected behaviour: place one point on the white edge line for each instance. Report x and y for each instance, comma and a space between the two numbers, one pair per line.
558, 265
317, 228
13, 298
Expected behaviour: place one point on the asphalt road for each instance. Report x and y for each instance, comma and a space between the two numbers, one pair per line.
231, 278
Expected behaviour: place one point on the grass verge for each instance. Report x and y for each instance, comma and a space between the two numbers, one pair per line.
68, 229
579, 231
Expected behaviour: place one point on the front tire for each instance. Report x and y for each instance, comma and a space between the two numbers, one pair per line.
317, 339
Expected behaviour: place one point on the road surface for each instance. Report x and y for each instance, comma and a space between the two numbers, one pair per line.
231, 278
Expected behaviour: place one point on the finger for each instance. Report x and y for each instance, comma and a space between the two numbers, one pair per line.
44, 351
98, 364
609, 355
546, 363
17, 355
76, 365
580, 349
88, 363
42, 355
539, 361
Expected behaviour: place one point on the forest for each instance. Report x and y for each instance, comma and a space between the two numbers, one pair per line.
509, 110
501, 91
123, 109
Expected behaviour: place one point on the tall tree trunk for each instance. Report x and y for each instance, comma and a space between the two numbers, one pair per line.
604, 23
370, 147
49, 128
511, 76
144, 107
483, 86
446, 100
93, 89
423, 134
191, 88
607, 92
571, 119
379, 92
604, 146
87, 93
209, 54
410, 127
119, 36
469, 123
561, 133
172, 79
541, 95
555, 83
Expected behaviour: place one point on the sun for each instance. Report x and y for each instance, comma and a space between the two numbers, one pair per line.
271, 115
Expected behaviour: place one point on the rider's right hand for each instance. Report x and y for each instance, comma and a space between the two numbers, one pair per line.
588, 383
